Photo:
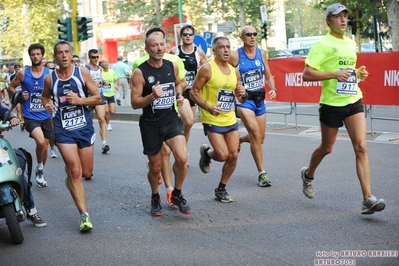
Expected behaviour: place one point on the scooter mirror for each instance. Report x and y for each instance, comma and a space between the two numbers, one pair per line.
16, 99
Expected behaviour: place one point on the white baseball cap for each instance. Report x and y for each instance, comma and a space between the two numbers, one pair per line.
335, 9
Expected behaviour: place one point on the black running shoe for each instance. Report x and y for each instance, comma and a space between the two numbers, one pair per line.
182, 204
205, 160
156, 208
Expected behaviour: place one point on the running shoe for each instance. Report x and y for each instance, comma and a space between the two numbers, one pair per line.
205, 160
156, 208
36, 220
85, 224
41, 182
372, 204
264, 181
53, 153
223, 196
109, 128
105, 148
181, 203
308, 188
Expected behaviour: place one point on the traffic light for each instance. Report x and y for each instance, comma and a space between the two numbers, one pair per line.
83, 26
264, 30
65, 32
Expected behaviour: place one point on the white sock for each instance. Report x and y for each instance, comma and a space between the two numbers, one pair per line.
39, 166
262, 172
169, 189
32, 211
104, 142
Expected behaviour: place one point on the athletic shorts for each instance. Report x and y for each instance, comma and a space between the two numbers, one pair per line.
219, 130
83, 137
186, 94
110, 99
45, 125
250, 104
152, 136
334, 116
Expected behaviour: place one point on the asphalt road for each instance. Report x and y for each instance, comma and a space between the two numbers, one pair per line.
264, 226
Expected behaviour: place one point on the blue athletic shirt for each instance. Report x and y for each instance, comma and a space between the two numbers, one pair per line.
251, 70
67, 116
33, 108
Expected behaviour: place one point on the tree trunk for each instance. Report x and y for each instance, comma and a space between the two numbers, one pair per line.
393, 21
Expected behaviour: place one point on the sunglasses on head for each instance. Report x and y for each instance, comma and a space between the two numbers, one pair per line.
249, 34
187, 34
94, 57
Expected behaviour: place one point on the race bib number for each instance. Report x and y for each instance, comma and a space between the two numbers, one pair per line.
225, 99
107, 88
348, 87
36, 103
72, 117
190, 76
168, 97
252, 80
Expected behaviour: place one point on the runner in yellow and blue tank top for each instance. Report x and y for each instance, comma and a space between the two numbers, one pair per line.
215, 89
333, 61
111, 83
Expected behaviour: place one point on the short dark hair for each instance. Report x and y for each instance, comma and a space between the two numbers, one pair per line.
155, 29
75, 56
35, 46
185, 27
93, 51
61, 42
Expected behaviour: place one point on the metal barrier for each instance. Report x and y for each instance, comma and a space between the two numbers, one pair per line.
382, 112
375, 112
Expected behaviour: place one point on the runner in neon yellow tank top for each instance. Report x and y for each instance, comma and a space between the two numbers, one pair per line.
333, 61
215, 88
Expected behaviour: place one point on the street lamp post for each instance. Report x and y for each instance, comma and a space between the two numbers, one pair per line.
180, 12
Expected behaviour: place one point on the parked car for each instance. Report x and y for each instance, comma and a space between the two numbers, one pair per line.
279, 54
301, 52
370, 48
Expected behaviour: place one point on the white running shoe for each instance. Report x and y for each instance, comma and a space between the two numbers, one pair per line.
53, 153
109, 128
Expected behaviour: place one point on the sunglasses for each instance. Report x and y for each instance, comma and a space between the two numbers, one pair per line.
188, 34
249, 34
94, 57
75, 61
52, 68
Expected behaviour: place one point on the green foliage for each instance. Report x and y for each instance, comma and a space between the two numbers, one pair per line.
33, 21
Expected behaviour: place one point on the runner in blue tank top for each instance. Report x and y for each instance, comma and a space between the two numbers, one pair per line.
254, 71
37, 120
65, 95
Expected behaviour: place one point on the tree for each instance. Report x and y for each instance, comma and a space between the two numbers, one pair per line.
369, 8
33, 21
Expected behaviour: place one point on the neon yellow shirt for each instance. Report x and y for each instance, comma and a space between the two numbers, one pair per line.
170, 57
220, 89
330, 54
110, 76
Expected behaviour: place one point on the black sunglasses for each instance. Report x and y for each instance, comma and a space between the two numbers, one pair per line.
187, 34
249, 34
94, 57
52, 68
